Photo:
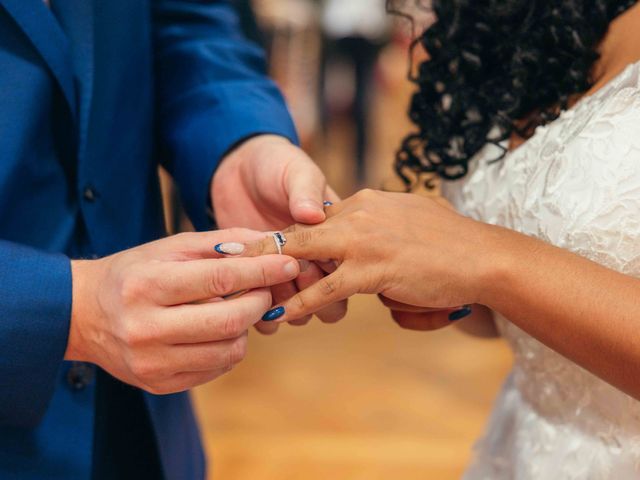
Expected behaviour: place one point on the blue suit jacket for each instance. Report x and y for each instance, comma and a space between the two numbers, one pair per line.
90, 103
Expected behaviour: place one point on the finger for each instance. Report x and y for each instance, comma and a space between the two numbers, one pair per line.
196, 245
331, 314
182, 382
327, 266
186, 282
305, 183
332, 196
310, 243
279, 293
335, 205
205, 357
301, 322
332, 289
282, 293
267, 328
423, 322
403, 307
212, 322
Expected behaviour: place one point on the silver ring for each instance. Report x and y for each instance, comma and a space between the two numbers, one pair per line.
280, 240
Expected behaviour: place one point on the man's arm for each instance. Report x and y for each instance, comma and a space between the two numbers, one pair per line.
35, 310
213, 93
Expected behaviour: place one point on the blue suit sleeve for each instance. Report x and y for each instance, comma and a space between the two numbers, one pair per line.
35, 311
213, 92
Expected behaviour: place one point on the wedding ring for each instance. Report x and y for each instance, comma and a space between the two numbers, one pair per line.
280, 240
327, 203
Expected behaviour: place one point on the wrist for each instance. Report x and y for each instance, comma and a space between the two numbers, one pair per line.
500, 265
84, 308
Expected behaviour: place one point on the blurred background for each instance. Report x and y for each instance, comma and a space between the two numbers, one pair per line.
362, 399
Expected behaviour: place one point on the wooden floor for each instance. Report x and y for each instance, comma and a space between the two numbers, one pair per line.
363, 399
359, 400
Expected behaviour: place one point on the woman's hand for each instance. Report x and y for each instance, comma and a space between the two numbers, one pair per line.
476, 320
267, 183
410, 249
422, 319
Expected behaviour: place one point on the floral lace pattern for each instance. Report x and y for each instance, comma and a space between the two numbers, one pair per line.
574, 184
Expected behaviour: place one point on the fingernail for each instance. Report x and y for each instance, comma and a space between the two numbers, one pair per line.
328, 203
291, 268
274, 314
231, 248
304, 265
460, 314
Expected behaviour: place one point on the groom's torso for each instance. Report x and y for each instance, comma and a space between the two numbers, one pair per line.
78, 175
76, 124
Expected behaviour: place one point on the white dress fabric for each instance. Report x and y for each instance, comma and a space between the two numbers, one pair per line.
575, 184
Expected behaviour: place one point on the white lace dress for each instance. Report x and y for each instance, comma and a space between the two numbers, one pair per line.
574, 184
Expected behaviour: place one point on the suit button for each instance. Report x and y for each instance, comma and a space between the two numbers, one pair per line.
90, 194
80, 375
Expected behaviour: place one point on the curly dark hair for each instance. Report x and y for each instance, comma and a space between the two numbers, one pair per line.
495, 68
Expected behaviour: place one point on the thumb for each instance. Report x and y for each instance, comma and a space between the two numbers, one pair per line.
306, 186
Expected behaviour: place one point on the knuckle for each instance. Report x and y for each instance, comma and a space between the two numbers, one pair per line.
295, 228
132, 288
158, 389
299, 302
327, 286
331, 285
258, 249
232, 325
305, 237
366, 193
237, 352
144, 370
263, 275
221, 281
133, 335
359, 216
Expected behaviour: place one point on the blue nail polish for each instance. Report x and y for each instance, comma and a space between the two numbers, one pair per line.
218, 248
328, 203
274, 314
460, 314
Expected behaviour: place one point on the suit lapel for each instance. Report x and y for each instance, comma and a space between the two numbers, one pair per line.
77, 20
45, 34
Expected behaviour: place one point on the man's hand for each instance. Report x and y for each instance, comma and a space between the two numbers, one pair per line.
267, 183
155, 316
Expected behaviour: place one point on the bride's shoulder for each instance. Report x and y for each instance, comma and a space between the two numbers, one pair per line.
609, 136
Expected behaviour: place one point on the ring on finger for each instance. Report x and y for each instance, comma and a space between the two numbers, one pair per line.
280, 241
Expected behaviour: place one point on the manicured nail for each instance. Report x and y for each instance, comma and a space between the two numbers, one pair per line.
231, 248
274, 314
304, 265
328, 203
460, 314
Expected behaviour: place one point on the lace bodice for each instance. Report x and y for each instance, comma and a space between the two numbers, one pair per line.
576, 185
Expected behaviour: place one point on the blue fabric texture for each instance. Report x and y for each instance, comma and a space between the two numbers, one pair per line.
94, 96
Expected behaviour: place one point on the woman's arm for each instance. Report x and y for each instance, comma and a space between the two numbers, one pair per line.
417, 252
584, 311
